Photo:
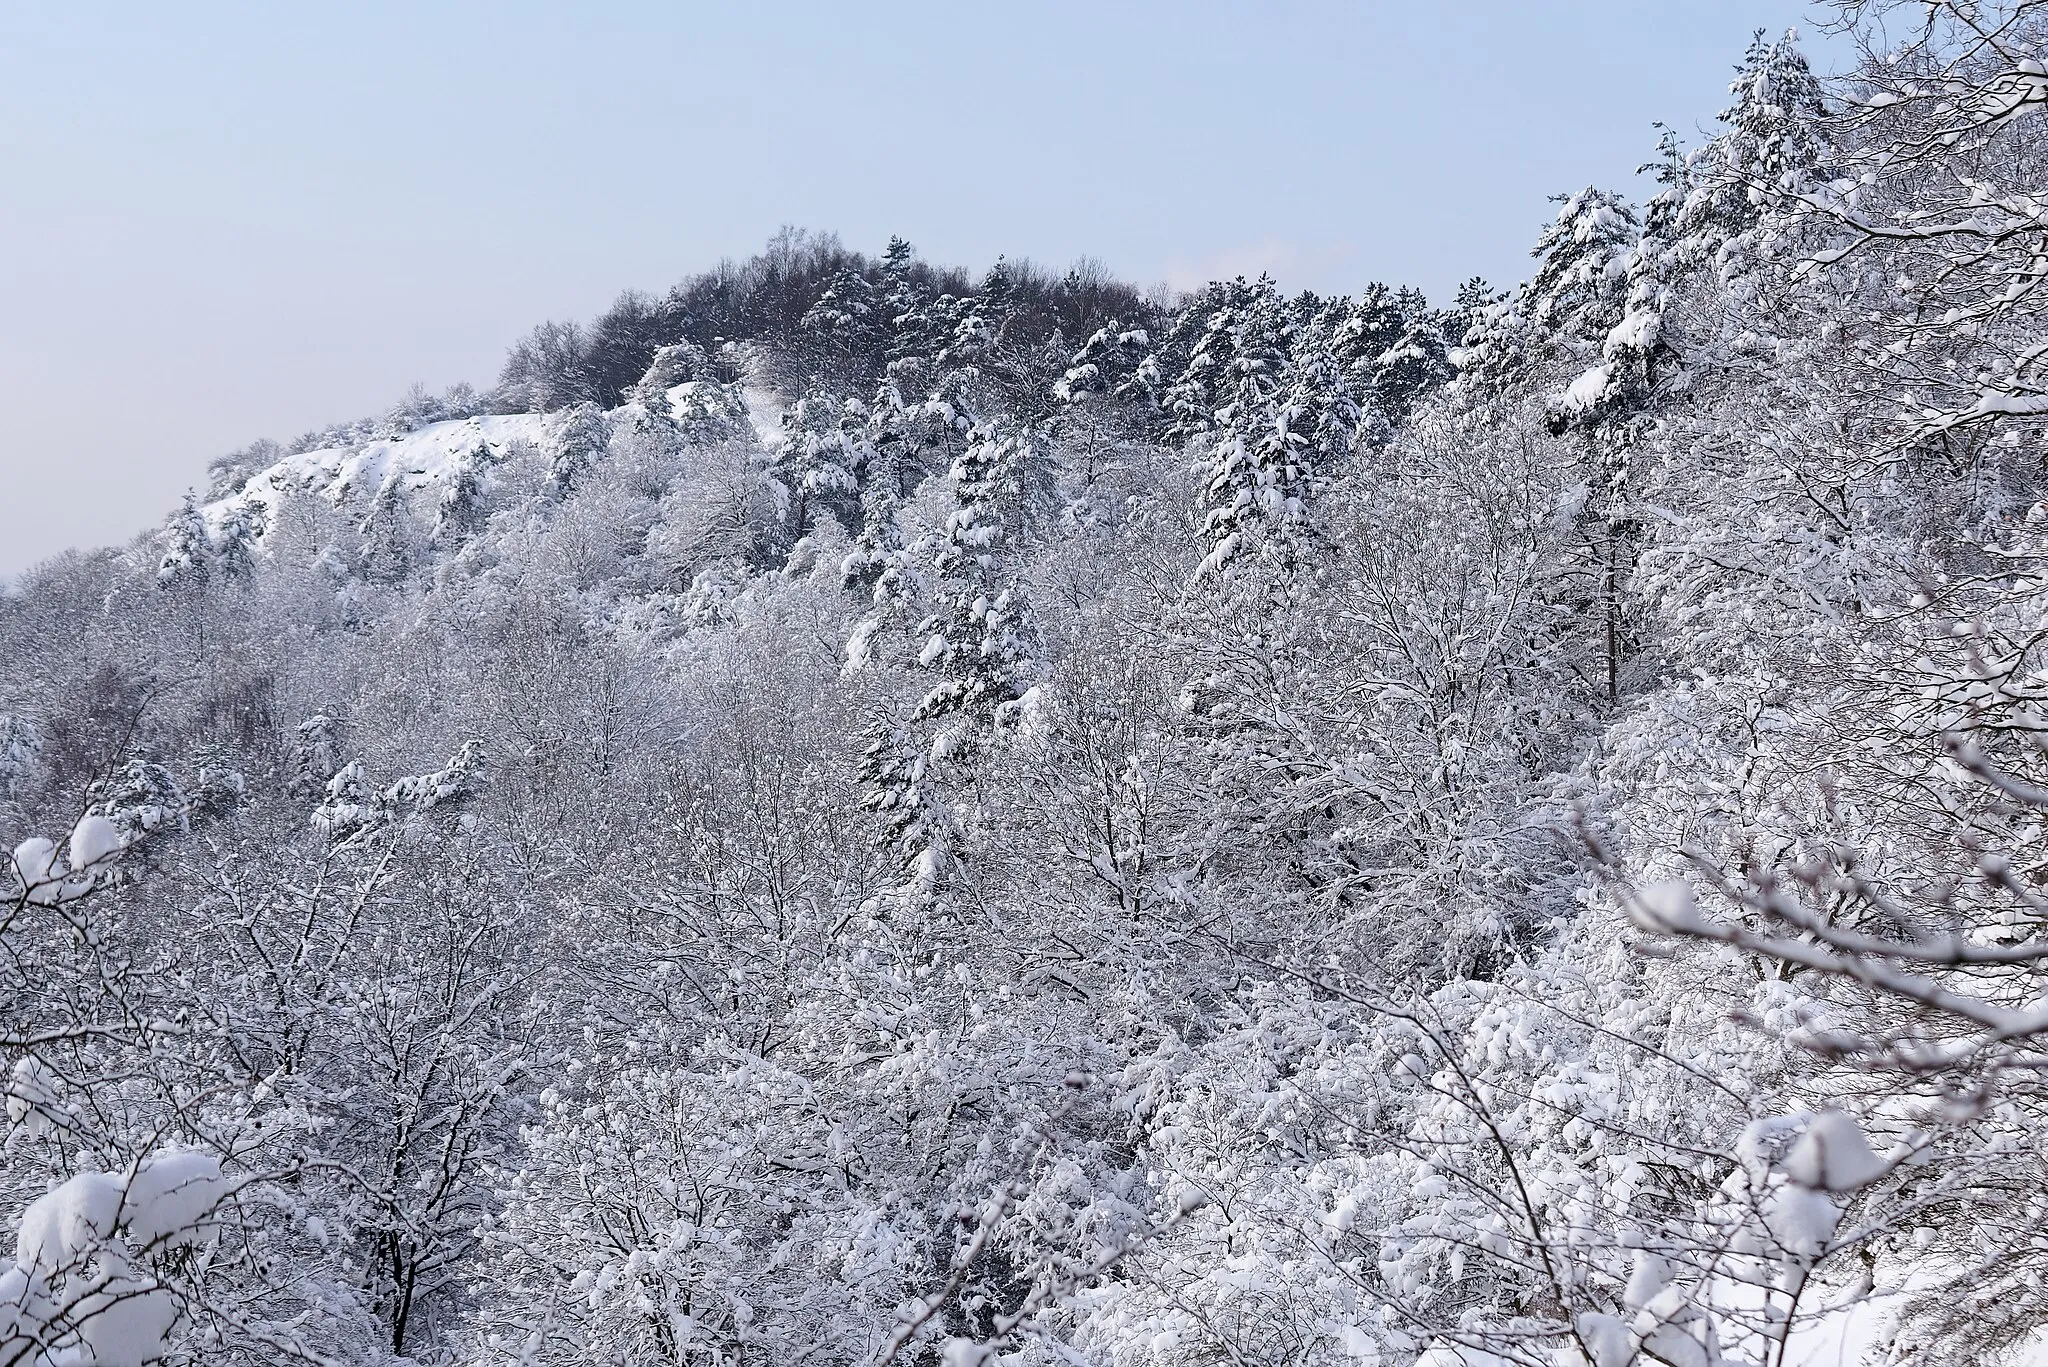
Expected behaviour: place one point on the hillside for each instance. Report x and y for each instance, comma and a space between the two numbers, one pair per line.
851, 813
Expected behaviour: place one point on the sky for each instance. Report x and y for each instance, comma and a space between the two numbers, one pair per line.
223, 222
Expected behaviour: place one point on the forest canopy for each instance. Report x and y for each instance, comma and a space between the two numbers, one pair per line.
854, 812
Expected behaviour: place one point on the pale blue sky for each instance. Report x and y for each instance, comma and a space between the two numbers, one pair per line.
228, 221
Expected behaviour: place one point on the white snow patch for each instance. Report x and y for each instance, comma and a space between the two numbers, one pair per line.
427, 457
35, 861
1833, 1155
1587, 390
764, 411
94, 838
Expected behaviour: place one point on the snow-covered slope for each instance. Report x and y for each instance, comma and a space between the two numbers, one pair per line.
423, 459
428, 459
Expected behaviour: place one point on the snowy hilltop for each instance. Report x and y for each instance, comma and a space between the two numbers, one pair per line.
854, 813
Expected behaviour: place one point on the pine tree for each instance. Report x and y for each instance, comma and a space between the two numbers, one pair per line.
461, 510
819, 461
923, 334
315, 755
994, 306
21, 746
1261, 423
1579, 295
1775, 147
886, 435
1712, 201
235, 546
187, 558
979, 636
1363, 329
1319, 414
577, 438
845, 314
385, 555
1492, 338
849, 328
1412, 368
1328, 341
895, 774
1239, 344
904, 304
1105, 369
1579, 292
897, 259
1576, 302
981, 356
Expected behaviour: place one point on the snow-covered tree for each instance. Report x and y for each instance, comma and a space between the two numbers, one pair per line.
899, 820
188, 548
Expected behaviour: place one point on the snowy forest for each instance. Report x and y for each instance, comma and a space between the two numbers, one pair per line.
860, 813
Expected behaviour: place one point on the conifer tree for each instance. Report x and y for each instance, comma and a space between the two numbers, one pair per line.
1573, 305
1579, 293
1776, 145
1493, 338
188, 549
1237, 346
385, 554
1415, 366
461, 510
578, 437
978, 637
235, 546
1261, 422
822, 453
887, 437
904, 304
1106, 367
849, 327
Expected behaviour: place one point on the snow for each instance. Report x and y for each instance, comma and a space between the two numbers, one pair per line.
1605, 1072
1587, 390
428, 457
94, 838
126, 1324
1833, 1155
1666, 906
1646, 1281
1997, 403
28, 1092
1637, 331
60, 1228
1801, 1219
172, 1196
164, 1202
1449, 1356
74, 1262
860, 644
35, 861
1607, 1338
966, 1353
764, 412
